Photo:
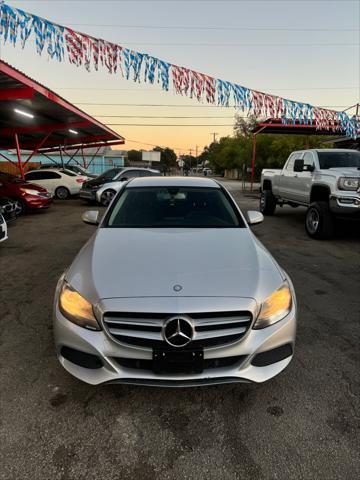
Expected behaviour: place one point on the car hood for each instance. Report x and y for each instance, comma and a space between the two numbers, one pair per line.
345, 172
32, 186
118, 263
95, 182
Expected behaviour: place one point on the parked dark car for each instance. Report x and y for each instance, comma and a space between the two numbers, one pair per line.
27, 196
120, 174
8, 209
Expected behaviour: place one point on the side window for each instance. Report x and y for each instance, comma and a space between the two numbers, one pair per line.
31, 176
290, 163
308, 161
131, 174
145, 173
49, 175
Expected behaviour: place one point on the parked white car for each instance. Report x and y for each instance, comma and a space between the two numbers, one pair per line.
59, 182
3, 229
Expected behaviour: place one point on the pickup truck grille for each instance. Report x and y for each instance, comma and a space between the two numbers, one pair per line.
212, 329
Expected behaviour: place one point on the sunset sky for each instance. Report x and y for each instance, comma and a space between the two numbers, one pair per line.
304, 50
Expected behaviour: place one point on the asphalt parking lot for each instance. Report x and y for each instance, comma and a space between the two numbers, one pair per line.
304, 424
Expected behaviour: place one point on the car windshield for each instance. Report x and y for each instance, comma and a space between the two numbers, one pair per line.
339, 159
109, 174
178, 207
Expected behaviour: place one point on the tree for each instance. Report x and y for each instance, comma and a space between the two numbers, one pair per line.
134, 156
167, 158
244, 126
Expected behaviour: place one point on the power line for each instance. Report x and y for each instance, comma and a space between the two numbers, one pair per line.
173, 105
166, 125
160, 90
228, 28
162, 116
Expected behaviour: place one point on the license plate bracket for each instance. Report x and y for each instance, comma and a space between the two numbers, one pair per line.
173, 361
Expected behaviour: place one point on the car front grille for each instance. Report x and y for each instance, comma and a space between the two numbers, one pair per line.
210, 363
212, 329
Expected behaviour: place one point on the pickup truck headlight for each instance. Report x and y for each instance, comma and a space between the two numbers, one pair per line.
348, 183
275, 307
76, 308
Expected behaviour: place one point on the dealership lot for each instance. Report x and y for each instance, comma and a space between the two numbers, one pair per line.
303, 424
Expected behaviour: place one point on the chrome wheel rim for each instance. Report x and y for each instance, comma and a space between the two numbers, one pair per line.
262, 202
312, 220
61, 193
106, 198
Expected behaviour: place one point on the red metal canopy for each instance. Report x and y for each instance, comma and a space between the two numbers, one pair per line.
34, 118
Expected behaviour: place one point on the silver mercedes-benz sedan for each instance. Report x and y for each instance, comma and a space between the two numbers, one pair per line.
173, 289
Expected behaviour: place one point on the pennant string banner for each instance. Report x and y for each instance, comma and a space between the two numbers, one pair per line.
89, 52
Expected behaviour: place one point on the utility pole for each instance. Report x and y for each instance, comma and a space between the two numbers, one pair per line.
214, 136
196, 156
190, 151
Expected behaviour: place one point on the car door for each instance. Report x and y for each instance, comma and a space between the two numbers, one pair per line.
286, 182
302, 180
45, 178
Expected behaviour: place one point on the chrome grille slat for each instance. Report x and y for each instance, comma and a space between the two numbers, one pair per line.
224, 332
222, 320
136, 333
133, 321
145, 329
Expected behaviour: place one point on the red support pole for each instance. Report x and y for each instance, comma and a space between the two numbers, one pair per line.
20, 165
253, 161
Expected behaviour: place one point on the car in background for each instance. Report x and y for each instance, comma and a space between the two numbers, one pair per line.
60, 182
8, 209
207, 171
78, 169
3, 229
111, 180
174, 289
27, 196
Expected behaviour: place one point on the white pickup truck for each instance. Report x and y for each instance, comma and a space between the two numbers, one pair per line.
325, 181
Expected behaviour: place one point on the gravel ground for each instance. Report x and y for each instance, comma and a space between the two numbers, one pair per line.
304, 424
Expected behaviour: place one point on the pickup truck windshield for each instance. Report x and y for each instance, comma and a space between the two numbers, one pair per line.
178, 207
339, 159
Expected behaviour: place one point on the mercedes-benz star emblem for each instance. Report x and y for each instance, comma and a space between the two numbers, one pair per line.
178, 331
177, 288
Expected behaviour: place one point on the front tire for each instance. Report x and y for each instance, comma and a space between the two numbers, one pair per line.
319, 222
106, 197
267, 203
62, 193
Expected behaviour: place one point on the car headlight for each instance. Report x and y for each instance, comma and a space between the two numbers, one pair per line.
29, 191
347, 183
76, 308
275, 307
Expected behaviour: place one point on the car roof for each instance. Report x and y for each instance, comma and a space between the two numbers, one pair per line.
59, 169
141, 168
173, 182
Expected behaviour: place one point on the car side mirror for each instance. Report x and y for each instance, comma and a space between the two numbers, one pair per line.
254, 217
91, 217
123, 179
299, 165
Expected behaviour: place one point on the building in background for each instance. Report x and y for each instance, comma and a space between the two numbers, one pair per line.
94, 160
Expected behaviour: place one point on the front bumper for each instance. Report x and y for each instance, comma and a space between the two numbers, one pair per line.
112, 356
35, 202
89, 195
346, 203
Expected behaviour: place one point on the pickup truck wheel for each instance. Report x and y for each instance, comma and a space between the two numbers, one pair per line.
319, 222
267, 203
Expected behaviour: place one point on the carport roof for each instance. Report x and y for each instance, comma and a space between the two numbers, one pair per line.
50, 119
271, 125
